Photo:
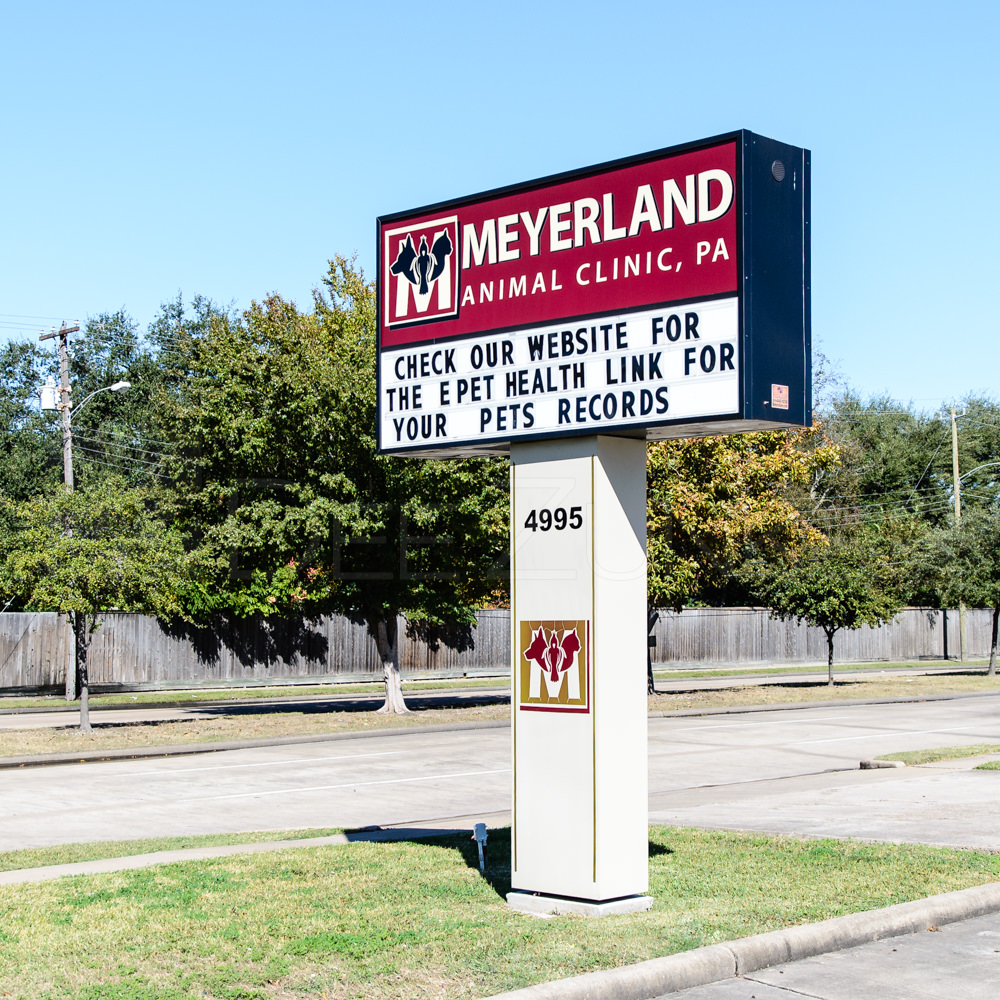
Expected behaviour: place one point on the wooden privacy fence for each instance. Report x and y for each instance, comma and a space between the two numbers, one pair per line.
742, 636
136, 652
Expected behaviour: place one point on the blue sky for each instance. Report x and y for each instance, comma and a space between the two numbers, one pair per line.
230, 149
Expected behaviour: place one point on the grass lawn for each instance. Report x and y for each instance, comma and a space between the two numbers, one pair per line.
749, 670
915, 757
416, 919
268, 691
888, 686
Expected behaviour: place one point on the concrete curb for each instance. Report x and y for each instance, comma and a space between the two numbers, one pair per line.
648, 980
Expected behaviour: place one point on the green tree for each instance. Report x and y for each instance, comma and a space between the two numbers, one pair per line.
285, 501
30, 446
115, 433
848, 579
84, 552
965, 563
896, 460
893, 458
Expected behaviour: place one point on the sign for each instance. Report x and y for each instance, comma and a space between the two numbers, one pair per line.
564, 322
662, 295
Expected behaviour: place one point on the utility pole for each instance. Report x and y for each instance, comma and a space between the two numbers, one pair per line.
958, 520
64, 402
67, 443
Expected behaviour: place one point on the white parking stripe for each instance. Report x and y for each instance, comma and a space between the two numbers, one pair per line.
349, 784
884, 734
266, 763
750, 725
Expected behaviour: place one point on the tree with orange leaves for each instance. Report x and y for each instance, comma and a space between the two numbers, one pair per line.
714, 502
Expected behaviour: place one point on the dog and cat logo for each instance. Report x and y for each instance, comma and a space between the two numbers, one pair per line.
422, 266
555, 666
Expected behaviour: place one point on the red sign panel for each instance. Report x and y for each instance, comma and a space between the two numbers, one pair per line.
666, 294
663, 230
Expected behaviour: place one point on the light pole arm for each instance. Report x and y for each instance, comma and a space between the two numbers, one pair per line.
985, 465
117, 387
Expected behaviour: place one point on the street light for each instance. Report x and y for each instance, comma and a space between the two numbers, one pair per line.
117, 387
985, 465
47, 394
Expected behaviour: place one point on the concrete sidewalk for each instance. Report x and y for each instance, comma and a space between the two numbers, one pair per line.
66, 714
131, 862
958, 960
729, 966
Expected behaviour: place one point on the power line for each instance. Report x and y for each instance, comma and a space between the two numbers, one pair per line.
829, 519
124, 469
123, 445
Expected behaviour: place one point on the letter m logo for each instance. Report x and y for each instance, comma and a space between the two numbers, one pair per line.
420, 271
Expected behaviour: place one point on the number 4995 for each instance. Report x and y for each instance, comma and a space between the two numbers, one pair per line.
545, 519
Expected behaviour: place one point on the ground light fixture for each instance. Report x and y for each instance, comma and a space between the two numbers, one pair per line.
479, 836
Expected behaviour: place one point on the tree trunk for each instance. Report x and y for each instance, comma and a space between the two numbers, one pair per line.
992, 669
387, 640
651, 619
80, 636
829, 655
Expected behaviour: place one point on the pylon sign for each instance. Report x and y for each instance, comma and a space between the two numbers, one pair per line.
565, 322
578, 615
666, 294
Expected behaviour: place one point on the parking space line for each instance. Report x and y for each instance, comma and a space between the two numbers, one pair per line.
884, 734
348, 784
266, 763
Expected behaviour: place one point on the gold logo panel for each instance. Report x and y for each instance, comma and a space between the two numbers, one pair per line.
554, 665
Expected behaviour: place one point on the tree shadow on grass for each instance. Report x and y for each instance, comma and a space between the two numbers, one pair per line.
809, 685
194, 711
873, 676
335, 703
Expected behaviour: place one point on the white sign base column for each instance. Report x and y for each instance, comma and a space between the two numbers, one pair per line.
578, 614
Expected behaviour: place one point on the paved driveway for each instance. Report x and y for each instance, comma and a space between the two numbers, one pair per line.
790, 771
